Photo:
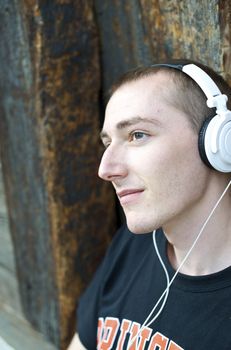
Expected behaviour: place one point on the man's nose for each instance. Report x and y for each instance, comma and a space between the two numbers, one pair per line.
112, 165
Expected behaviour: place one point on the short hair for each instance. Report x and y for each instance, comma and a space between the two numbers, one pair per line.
188, 96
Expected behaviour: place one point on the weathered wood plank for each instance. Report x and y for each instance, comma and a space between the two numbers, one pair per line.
225, 37
123, 38
189, 29
7, 261
9, 292
13, 328
61, 217
148, 31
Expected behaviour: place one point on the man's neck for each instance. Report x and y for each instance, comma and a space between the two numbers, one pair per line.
212, 252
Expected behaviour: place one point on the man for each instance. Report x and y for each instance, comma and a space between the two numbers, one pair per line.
151, 157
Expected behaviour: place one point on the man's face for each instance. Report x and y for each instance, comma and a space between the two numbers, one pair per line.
151, 155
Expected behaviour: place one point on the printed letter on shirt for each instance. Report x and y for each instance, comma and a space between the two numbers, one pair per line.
129, 335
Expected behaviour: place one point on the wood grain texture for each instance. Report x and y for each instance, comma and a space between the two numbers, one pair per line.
61, 216
225, 38
187, 29
142, 32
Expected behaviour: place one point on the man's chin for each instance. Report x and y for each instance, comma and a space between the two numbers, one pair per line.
138, 229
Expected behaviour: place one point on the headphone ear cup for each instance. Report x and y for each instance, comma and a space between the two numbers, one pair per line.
215, 142
201, 142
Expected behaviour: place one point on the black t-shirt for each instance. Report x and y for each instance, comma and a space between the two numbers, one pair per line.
130, 280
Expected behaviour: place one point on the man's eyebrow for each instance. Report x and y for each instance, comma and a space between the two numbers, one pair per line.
135, 120
131, 121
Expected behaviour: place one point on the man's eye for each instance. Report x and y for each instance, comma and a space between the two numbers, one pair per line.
137, 135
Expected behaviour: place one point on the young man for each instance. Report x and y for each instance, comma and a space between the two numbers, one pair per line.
151, 157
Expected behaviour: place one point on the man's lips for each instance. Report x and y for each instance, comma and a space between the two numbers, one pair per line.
129, 195
127, 192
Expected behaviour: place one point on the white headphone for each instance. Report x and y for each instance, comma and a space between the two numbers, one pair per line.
215, 134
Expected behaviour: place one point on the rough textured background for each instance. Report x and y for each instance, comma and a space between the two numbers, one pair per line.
57, 61
141, 32
61, 215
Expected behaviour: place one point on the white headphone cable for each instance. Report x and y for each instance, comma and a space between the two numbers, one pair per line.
147, 323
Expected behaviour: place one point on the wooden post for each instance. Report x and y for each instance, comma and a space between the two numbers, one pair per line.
149, 31
61, 215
